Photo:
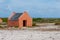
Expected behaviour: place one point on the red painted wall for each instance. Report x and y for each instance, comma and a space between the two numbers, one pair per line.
12, 23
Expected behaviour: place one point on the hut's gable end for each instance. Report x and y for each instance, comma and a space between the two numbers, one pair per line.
25, 15
27, 18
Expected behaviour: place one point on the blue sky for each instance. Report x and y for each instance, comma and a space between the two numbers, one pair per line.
36, 8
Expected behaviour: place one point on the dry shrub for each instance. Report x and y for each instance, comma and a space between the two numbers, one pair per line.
16, 26
34, 24
57, 23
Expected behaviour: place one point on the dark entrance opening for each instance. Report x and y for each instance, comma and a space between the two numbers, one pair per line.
24, 23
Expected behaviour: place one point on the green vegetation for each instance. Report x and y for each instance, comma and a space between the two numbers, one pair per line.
46, 20
5, 19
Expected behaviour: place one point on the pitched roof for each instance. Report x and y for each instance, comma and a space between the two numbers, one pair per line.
16, 16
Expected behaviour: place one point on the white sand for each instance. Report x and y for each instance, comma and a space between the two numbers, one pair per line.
29, 35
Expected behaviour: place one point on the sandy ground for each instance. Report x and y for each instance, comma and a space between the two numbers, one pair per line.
29, 35
34, 33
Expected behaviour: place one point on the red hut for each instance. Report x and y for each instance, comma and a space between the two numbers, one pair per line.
20, 20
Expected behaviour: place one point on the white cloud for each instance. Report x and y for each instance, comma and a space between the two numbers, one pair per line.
34, 5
